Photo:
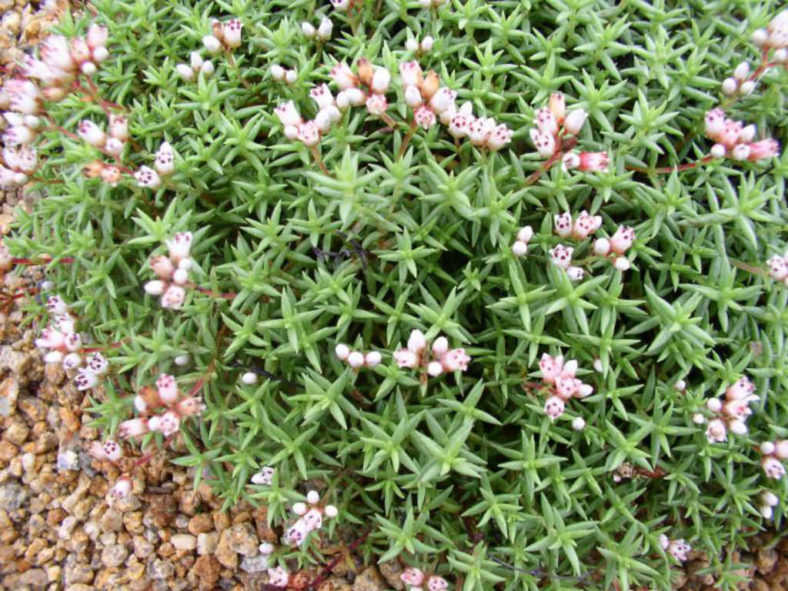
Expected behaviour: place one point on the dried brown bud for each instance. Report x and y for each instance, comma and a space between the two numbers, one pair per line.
430, 85
93, 169
365, 71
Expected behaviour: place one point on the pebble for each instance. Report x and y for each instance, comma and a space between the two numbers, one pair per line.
207, 543
112, 520
161, 569
206, 570
391, 571
16, 432
12, 496
242, 539
369, 580
254, 564
183, 542
767, 558
67, 460
9, 393
113, 556
224, 553
67, 527
201, 523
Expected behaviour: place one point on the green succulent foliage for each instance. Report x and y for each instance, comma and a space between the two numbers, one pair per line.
464, 473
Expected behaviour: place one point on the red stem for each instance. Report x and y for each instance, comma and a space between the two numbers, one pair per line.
666, 169
206, 291
41, 261
331, 565
544, 168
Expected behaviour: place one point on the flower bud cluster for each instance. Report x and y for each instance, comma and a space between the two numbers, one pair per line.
769, 501
580, 229
417, 579
732, 414
225, 36
368, 87
616, 246
196, 66
778, 267
321, 33
280, 74
559, 378
357, 359
555, 134
64, 345
310, 518
18, 164
678, 549
735, 140
161, 409
561, 256
423, 46
61, 60
163, 166
309, 132
172, 272
772, 455
520, 246
774, 37
444, 360
430, 102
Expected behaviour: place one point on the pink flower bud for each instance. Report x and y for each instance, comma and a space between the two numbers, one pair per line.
557, 106
412, 576
406, 359
212, 44
173, 297
554, 407
91, 133
287, 114
546, 122
331, 511
167, 388
714, 404
376, 104
355, 360
411, 74
132, 428
380, 80
773, 467
716, 432
543, 142
622, 239
767, 448
312, 497
781, 449
417, 341
372, 359
343, 76
574, 121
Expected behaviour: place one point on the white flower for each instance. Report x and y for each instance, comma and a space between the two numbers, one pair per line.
232, 33
173, 297
309, 30
212, 44
342, 351
264, 476
165, 159
417, 341
180, 246
574, 121
325, 28
147, 177
288, 114
355, 359
91, 133
372, 359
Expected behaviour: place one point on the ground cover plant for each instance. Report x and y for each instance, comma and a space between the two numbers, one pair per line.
498, 287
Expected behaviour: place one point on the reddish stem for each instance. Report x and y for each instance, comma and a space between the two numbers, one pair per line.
679, 168
404, 147
206, 291
331, 565
319, 160
42, 261
544, 168
101, 348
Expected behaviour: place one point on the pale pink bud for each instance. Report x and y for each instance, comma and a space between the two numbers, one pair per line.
622, 264
575, 273
554, 407
168, 390
309, 31
342, 351
622, 239
435, 368
730, 86
411, 44
417, 341
355, 360
406, 359
380, 80
741, 152
288, 114
412, 576
737, 427
574, 121
767, 448
440, 346
173, 297
545, 121
601, 246
557, 106
410, 73
299, 508
313, 519
442, 100
180, 276
132, 428
698, 418
212, 44
773, 467
714, 404
91, 133
165, 159
718, 150
781, 449
119, 127
312, 497
324, 29
147, 177
716, 432
578, 423
376, 104
525, 234
278, 72
770, 499
594, 161
543, 142
427, 43
291, 76
372, 359
330, 511
343, 76
747, 87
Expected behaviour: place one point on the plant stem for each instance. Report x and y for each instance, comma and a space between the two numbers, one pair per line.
406, 140
544, 168
206, 291
679, 168
319, 160
237, 69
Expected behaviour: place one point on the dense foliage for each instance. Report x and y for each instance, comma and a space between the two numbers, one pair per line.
463, 473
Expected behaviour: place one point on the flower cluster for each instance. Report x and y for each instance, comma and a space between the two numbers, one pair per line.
778, 267
310, 518
357, 359
580, 229
64, 346
165, 398
430, 102
735, 140
731, 415
280, 74
520, 246
740, 83
164, 165
225, 36
772, 455
678, 549
309, 132
368, 87
444, 360
561, 256
423, 46
61, 60
196, 66
18, 164
559, 376
323, 31
774, 37
616, 246
768, 502
418, 579
172, 272
555, 134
